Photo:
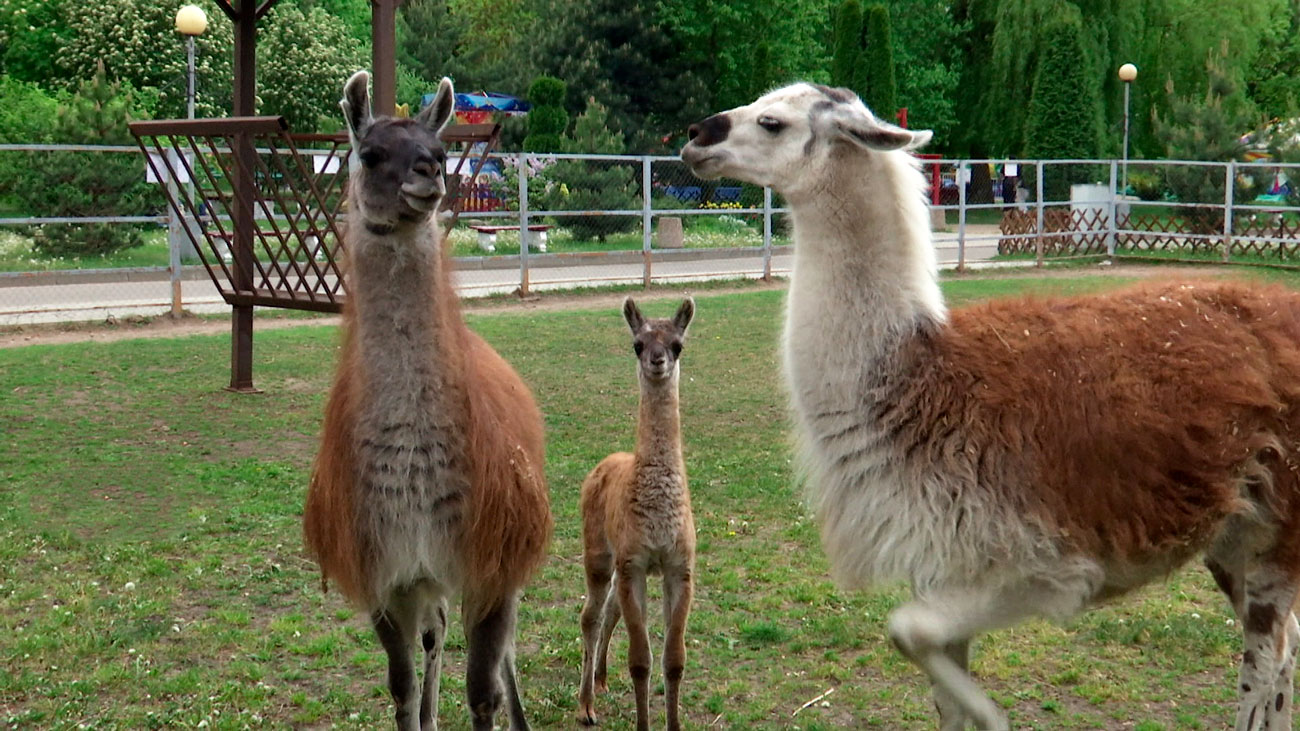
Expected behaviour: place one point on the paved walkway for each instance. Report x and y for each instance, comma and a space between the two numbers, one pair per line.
68, 297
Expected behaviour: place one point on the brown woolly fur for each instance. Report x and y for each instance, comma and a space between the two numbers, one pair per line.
429, 481
509, 524
1173, 387
330, 515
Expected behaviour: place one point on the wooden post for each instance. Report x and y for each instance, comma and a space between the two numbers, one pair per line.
383, 59
244, 188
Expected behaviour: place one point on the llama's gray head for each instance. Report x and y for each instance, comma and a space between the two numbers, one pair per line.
658, 342
785, 137
396, 164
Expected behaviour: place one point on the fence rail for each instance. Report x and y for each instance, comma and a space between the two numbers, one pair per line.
537, 221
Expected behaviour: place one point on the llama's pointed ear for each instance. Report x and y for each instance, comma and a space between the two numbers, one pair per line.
438, 113
685, 313
632, 314
852, 122
356, 107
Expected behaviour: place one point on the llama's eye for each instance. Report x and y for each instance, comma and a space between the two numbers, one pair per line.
638, 346
373, 156
771, 124
677, 349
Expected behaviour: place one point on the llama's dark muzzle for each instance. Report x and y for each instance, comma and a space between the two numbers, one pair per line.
710, 131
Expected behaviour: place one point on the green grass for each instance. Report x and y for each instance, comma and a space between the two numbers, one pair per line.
152, 573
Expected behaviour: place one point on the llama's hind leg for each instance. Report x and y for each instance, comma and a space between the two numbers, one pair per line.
1268, 662
951, 715
599, 570
929, 630
396, 626
489, 637
434, 632
609, 620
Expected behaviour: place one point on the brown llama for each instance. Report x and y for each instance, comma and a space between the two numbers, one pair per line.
429, 478
636, 519
1020, 458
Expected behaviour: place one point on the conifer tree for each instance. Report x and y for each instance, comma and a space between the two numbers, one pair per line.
1061, 122
593, 185
846, 51
879, 89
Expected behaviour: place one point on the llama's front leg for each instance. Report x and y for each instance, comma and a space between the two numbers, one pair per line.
930, 631
1268, 662
510, 676
488, 638
631, 597
436, 630
396, 630
679, 588
598, 570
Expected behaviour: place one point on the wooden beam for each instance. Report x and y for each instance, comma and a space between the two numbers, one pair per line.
383, 60
227, 8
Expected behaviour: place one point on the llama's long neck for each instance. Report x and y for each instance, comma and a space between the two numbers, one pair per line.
658, 432
864, 275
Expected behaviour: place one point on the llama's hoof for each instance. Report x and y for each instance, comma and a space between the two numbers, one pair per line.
587, 717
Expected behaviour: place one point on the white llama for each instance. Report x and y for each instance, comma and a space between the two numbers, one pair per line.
1026, 458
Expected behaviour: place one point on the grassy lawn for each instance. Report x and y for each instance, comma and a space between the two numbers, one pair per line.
152, 575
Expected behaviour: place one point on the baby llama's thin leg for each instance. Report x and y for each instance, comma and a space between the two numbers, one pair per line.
599, 569
631, 596
679, 589
435, 631
609, 617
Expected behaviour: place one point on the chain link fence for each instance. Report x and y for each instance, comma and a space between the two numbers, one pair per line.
589, 220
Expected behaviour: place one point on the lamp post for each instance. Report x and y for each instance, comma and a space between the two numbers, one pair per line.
1127, 73
191, 21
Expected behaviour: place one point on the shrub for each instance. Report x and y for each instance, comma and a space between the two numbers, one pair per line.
591, 185
84, 183
547, 120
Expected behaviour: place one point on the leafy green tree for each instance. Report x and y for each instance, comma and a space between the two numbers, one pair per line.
927, 44
592, 185
1211, 128
881, 90
84, 183
1061, 122
355, 15
303, 60
28, 112
137, 42
723, 41
1274, 80
621, 54
547, 119
32, 32
846, 53
429, 38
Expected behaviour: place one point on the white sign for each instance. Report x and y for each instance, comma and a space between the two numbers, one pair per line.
158, 166
325, 163
1011, 170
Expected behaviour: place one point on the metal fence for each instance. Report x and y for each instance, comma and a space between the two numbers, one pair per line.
599, 219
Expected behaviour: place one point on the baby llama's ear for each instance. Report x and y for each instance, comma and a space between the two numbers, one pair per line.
853, 122
356, 112
438, 113
685, 313
632, 314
